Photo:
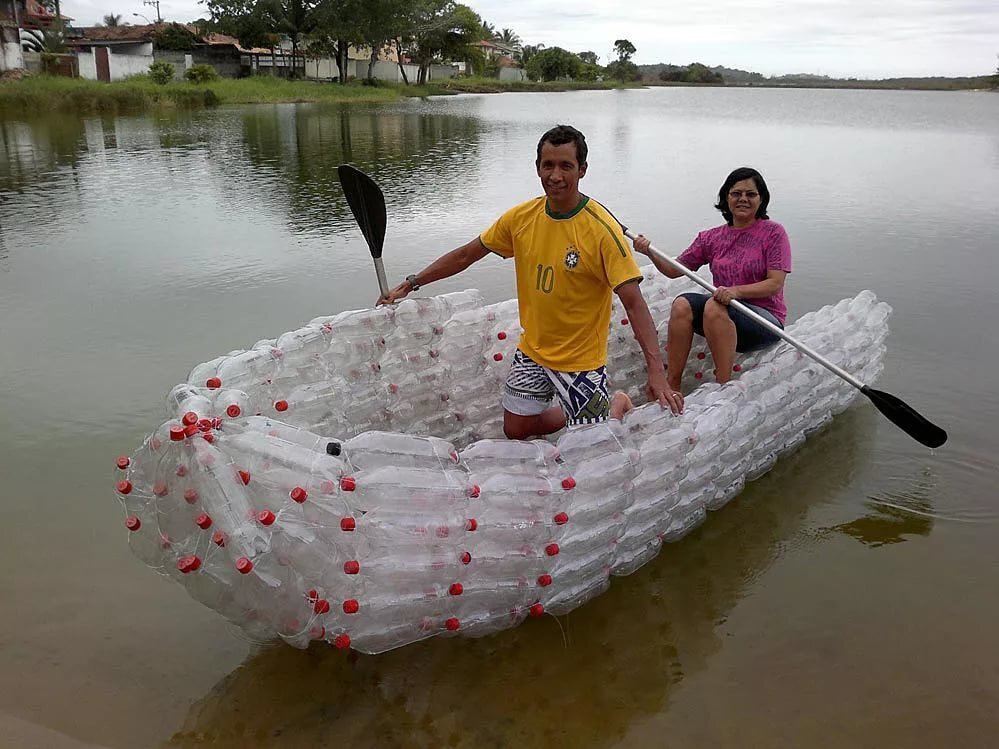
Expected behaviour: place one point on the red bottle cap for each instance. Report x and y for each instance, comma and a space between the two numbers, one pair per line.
203, 521
347, 524
189, 418
698, 375
350, 606
537, 609
322, 606
551, 549
233, 411
474, 491
124, 487
244, 476
701, 355
122, 462
501, 335
561, 519
342, 642
218, 538
209, 437
737, 368
471, 524
213, 383
299, 494
266, 517
204, 424
456, 589
624, 321
452, 624
133, 523
190, 496
351, 567
497, 356
160, 489
189, 563
281, 406
544, 580
568, 483
181, 470
348, 483
177, 433
466, 558
244, 565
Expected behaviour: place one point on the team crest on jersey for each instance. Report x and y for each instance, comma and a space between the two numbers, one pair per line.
571, 257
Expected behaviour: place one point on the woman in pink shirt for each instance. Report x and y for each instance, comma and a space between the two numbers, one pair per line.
749, 257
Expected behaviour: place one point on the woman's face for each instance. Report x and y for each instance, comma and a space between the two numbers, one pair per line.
743, 202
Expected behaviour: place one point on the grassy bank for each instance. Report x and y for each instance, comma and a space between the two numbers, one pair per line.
41, 94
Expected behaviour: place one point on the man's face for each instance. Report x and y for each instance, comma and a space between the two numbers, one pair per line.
559, 171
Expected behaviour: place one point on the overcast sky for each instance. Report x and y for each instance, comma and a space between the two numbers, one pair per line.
863, 38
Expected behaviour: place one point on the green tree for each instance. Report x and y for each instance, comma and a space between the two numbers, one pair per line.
443, 31
241, 19
293, 18
381, 22
174, 37
528, 51
111, 20
339, 24
509, 37
590, 58
553, 64
624, 49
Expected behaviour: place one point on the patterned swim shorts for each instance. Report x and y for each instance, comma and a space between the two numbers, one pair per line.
530, 388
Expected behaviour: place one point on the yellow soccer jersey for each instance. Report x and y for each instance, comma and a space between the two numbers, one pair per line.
567, 266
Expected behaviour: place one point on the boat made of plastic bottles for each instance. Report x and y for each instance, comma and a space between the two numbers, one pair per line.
349, 480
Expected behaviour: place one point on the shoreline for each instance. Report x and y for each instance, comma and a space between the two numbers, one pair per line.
40, 94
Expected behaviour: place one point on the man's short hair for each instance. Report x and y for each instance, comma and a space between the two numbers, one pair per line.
559, 136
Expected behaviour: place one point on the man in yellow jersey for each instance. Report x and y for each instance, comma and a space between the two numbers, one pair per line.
569, 253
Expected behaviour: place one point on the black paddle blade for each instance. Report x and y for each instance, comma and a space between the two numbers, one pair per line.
907, 419
367, 204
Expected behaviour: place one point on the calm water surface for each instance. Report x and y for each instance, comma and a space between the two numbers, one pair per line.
846, 599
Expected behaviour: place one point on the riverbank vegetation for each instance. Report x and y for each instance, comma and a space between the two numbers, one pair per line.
40, 94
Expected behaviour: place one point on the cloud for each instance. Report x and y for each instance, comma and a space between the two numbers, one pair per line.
832, 37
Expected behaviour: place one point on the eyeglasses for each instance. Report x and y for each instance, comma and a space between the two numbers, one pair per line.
737, 194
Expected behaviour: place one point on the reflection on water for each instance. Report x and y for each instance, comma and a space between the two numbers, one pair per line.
580, 680
896, 514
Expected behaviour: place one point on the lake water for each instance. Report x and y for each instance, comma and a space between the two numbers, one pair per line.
845, 599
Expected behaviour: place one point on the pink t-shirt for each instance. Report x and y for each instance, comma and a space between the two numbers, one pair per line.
738, 257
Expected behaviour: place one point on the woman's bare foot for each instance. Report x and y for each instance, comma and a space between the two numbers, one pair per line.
620, 404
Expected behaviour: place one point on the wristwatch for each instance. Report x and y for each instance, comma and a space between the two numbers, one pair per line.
413, 286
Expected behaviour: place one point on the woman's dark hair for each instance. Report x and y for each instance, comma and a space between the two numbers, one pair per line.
559, 136
743, 172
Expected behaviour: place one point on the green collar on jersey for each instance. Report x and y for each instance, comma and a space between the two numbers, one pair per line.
583, 200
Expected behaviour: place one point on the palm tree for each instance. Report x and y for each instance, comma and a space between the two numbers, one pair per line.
488, 30
509, 37
112, 19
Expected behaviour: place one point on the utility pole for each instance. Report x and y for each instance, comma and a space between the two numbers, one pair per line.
154, 4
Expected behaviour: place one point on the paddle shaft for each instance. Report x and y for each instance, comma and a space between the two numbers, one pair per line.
743, 309
380, 272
